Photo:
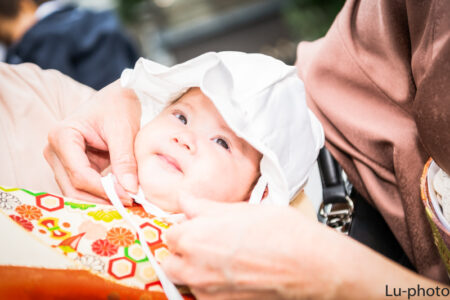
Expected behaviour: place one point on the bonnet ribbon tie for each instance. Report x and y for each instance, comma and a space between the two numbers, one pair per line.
108, 185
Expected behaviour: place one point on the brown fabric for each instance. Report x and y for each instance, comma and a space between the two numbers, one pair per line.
34, 283
382, 67
31, 102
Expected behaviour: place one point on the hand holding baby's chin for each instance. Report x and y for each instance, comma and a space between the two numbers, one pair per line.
86, 142
221, 245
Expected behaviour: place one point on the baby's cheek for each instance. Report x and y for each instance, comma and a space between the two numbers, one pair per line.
143, 156
225, 181
144, 172
224, 189
240, 183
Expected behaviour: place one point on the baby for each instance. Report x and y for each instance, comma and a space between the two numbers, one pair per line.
189, 147
223, 126
251, 107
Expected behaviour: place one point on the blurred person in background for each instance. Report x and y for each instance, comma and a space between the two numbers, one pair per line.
86, 45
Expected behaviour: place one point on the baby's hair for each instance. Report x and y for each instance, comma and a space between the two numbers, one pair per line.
179, 97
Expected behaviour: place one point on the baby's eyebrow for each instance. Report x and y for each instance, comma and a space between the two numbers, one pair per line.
186, 105
237, 141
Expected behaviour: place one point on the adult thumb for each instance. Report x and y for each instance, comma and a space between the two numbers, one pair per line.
123, 162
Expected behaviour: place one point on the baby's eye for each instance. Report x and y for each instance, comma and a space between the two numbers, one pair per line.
222, 143
181, 117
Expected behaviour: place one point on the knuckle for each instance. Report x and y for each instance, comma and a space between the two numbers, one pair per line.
184, 245
53, 135
59, 133
124, 161
196, 280
185, 276
170, 267
47, 153
76, 178
124, 158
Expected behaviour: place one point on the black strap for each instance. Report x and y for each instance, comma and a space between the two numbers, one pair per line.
333, 185
367, 225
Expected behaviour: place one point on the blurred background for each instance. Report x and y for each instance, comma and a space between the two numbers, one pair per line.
171, 31
92, 41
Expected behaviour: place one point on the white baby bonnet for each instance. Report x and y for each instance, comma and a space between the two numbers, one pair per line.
260, 98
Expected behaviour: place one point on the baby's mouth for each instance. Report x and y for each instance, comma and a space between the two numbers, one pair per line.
172, 162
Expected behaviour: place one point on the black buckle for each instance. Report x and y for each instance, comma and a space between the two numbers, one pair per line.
337, 207
337, 215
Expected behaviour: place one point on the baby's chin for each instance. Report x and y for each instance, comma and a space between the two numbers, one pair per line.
158, 190
168, 203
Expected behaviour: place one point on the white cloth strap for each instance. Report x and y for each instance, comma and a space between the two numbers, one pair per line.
169, 288
152, 209
258, 190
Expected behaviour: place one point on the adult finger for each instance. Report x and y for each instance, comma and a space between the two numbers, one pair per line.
123, 195
175, 236
230, 293
68, 145
174, 266
64, 184
120, 139
181, 271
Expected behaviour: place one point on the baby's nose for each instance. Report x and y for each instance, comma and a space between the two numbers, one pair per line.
186, 140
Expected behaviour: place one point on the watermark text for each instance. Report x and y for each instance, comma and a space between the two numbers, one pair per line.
416, 291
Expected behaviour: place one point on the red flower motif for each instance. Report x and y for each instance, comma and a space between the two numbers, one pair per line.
23, 222
104, 248
29, 212
120, 236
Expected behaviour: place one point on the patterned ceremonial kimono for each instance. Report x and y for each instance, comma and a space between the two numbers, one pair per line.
50, 232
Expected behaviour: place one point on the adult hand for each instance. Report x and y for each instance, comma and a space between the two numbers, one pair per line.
241, 251
99, 134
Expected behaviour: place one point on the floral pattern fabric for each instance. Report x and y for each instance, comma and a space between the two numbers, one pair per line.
29, 212
94, 236
441, 235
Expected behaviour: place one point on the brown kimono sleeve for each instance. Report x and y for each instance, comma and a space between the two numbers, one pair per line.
377, 81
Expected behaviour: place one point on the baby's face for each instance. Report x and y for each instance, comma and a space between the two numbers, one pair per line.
189, 149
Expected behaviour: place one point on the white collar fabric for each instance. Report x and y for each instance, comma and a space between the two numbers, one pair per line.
48, 8
2, 52
260, 98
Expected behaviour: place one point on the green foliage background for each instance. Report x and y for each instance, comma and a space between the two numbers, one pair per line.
306, 19
128, 10
310, 19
